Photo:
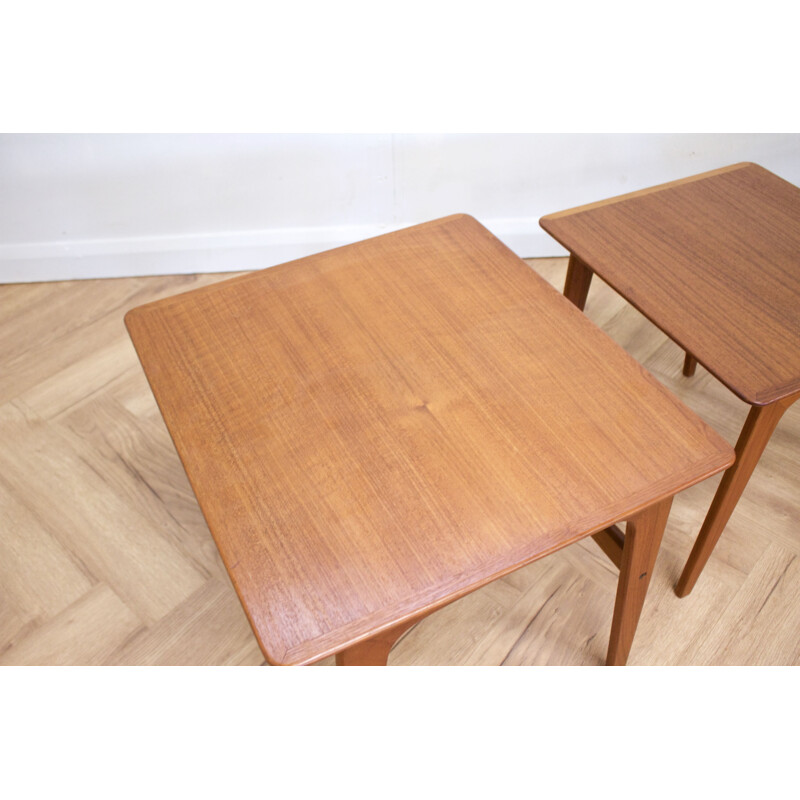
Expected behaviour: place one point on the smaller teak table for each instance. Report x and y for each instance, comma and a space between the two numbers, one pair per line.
375, 431
713, 261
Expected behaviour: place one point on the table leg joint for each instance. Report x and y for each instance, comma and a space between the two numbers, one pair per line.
611, 541
642, 538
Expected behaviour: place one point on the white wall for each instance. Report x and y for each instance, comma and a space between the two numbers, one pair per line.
100, 205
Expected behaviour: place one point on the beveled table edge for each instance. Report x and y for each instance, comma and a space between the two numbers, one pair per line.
300, 656
642, 192
758, 398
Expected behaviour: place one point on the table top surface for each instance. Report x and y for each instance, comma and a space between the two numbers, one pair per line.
714, 261
379, 429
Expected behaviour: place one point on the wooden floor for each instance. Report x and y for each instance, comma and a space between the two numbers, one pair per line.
105, 557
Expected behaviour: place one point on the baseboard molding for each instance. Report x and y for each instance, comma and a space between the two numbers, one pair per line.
218, 252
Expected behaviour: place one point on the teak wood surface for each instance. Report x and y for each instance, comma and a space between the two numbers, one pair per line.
380, 429
712, 260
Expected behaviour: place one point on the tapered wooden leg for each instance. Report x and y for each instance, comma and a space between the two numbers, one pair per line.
758, 428
642, 539
579, 279
374, 652
689, 365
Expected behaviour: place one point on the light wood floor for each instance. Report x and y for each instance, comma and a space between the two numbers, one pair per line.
105, 557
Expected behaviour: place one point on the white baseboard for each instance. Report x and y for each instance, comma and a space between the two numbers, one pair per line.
218, 252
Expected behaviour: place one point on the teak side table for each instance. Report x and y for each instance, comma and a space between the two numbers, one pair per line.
713, 261
377, 430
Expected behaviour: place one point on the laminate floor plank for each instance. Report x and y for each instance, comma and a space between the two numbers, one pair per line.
59, 331
453, 631
73, 497
83, 633
760, 625
79, 381
37, 315
30, 559
208, 628
15, 624
141, 467
570, 624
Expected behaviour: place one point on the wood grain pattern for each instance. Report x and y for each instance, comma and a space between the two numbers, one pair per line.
611, 541
714, 261
642, 192
578, 282
642, 538
755, 435
375, 431
556, 610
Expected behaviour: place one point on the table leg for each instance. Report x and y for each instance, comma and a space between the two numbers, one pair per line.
643, 534
579, 279
689, 365
374, 652
758, 428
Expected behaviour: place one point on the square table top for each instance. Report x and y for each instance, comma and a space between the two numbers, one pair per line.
714, 261
379, 429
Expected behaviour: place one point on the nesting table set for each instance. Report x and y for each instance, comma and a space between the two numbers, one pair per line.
378, 430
